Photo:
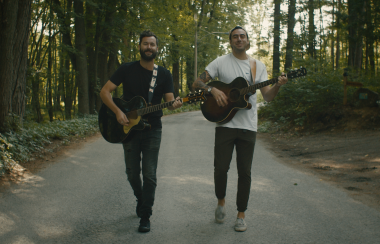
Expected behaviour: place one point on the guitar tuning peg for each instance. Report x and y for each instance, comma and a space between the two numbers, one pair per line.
202, 102
199, 90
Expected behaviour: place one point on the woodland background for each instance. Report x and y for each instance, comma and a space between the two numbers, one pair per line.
57, 54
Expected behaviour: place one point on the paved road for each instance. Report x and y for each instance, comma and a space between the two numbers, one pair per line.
85, 198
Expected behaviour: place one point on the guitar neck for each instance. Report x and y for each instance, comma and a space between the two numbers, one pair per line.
154, 108
253, 88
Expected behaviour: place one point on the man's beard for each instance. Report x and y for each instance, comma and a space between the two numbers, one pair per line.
241, 49
148, 58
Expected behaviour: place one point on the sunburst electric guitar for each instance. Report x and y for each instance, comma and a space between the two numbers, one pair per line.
237, 94
114, 132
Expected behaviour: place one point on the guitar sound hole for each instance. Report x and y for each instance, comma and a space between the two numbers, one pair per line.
234, 95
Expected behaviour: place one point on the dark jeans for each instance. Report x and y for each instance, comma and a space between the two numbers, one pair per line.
143, 147
225, 141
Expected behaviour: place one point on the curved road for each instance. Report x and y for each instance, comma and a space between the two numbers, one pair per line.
85, 198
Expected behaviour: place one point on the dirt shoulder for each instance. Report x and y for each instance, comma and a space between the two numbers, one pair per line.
348, 159
51, 153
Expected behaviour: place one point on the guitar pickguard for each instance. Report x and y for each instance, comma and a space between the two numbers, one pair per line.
132, 123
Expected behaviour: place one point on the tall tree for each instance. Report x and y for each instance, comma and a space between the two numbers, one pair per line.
276, 37
92, 39
332, 36
81, 58
14, 32
290, 39
338, 25
355, 32
49, 69
370, 38
311, 38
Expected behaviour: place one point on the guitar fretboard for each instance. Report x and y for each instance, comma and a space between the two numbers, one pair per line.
154, 108
253, 88
292, 74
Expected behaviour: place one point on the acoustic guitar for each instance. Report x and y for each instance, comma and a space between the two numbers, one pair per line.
114, 132
237, 94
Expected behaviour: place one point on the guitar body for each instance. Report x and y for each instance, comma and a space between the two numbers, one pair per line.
221, 115
237, 93
111, 129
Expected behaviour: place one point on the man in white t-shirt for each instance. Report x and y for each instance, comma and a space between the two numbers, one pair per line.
241, 130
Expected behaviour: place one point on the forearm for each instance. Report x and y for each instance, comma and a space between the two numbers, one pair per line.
270, 93
107, 100
177, 102
200, 82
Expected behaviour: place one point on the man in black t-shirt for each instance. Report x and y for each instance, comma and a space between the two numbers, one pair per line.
144, 145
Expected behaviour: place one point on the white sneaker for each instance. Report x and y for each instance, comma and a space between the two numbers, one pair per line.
220, 213
240, 225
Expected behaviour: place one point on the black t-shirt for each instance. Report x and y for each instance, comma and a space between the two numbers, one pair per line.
136, 82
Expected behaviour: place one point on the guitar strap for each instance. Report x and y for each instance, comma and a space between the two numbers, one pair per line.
152, 83
252, 63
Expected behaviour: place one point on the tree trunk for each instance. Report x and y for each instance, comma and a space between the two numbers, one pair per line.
112, 62
311, 39
290, 39
49, 76
355, 38
69, 90
103, 59
338, 36
61, 79
370, 39
91, 61
64, 27
176, 78
81, 58
190, 73
14, 32
36, 98
276, 38
332, 39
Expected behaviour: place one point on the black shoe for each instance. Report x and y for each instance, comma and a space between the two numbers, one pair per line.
144, 224
139, 204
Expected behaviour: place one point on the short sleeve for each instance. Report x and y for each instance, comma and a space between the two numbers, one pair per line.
168, 85
119, 75
212, 68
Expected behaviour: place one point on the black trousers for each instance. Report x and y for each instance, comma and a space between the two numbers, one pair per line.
225, 141
141, 155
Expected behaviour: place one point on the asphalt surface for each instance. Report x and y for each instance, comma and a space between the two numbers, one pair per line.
86, 198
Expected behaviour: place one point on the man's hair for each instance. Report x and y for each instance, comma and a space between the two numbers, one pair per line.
238, 27
148, 33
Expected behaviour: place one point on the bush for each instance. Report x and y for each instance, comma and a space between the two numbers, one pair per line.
311, 98
17, 146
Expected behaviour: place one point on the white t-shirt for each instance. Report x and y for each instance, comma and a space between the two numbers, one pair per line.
227, 68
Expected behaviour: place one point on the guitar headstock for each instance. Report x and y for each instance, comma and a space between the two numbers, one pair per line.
296, 73
194, 97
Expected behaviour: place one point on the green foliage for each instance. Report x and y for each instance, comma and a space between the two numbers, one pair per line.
306, 99
6, 161
17, 146
316, 97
